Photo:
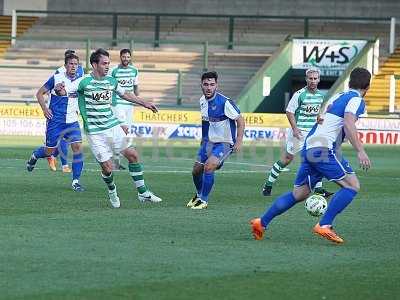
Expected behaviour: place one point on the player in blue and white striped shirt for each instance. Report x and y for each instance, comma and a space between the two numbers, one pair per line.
321, 157
62, 119
222, 134
63, 145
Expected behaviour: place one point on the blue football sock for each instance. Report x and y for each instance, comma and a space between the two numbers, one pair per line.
280, 205
77, 166
208, 182
340, 200
64, 152
40, 152
198, 182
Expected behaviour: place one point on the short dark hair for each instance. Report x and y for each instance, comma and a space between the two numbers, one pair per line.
359, 79
210, 75
95, 56
123, 51
69, 51
69, 57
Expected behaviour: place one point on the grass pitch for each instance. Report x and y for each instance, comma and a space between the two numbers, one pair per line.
57, 244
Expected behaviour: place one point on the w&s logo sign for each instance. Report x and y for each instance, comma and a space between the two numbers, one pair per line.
325, 54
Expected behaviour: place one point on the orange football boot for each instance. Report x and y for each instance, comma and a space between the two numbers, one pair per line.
257, 229
52, 163
66, 169
328, 233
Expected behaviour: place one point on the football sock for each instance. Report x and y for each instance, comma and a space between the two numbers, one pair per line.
64, 152
136, 171
340, 200
109, 180
208, 182
280, 205
274, 172
40, 152
77, 165
198, 182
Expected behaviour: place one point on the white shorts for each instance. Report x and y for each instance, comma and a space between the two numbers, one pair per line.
124, 113
294, 145
106, 143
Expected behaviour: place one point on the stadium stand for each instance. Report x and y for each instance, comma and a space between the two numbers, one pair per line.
158, 76
254, 41
263, 32
378, 95
24, 23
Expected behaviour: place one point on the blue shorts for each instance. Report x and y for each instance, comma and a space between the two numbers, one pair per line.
219, 150
56, 131
318, 163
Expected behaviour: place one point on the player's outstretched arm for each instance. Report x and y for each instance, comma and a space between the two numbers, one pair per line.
239, 136
350, 130
135, 99
40, 98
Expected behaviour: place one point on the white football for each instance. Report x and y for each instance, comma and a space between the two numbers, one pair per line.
316, 205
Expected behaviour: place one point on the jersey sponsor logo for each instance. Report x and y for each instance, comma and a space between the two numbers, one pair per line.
104, 96
312, 109
125, 82
73, 95
217, 119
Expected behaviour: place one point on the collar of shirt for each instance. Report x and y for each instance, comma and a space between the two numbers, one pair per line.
355, 91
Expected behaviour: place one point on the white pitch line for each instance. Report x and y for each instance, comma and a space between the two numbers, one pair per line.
189, 172
181, 171
186, 159
149, 171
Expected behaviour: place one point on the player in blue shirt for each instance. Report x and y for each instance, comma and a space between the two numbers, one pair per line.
222, 134
321, 157
63, 146
62, 119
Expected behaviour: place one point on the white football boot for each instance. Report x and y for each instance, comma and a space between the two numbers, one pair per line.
114, 199
148, 196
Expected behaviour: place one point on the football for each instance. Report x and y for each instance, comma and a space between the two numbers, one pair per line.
316, 205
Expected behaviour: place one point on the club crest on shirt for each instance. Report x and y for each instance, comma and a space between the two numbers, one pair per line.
213, 107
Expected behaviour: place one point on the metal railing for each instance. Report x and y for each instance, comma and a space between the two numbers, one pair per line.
230, 18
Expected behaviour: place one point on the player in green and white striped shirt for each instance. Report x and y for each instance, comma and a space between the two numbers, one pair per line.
302, 112
104, 132
127, 77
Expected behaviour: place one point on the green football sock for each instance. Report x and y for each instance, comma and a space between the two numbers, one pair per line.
274, 172
136, 171
109, 180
